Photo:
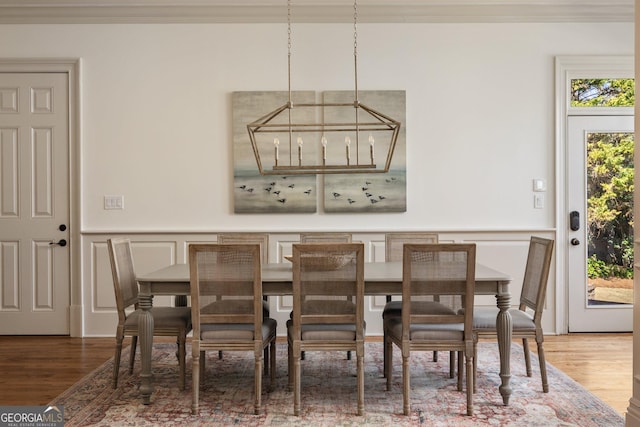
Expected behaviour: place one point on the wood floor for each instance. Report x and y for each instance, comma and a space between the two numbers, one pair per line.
34, 370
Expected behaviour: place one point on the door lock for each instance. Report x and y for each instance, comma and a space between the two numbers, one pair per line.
574, 220
575, 242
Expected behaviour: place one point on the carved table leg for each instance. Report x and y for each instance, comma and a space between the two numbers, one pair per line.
504, 328
145, 330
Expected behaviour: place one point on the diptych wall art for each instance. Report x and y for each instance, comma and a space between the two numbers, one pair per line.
341, 193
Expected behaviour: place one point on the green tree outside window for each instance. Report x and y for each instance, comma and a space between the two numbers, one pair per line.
609, 181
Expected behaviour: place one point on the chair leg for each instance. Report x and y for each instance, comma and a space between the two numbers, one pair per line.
220, 355
290, 364
388, 361
527, 355
452, 364
258, 355
435, 356
461, 370
195, 371
267, 365
360, 368
181, 359
384, 354
272, 362
406, 386
348, 355
470, 382
475, 364
202, 365
296, 384
132, 353
116, 359
543, 364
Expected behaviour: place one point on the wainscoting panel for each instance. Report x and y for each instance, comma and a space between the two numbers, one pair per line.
503, 250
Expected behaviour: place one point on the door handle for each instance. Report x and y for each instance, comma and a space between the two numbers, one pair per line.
62, 243
575, 242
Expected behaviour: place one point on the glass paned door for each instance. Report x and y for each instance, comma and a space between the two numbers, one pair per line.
600, 194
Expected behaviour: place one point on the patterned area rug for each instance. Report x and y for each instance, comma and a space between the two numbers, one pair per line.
328, 394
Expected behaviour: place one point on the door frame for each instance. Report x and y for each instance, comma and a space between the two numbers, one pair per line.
72, 67
567, 68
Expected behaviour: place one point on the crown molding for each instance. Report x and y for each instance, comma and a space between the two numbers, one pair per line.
312, 11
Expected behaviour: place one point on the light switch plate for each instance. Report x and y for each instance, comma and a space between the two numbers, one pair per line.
539, 185
113, 202
538, 201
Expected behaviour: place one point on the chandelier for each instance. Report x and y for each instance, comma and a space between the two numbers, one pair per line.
345, 134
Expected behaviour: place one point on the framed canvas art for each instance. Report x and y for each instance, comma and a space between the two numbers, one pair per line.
372, 192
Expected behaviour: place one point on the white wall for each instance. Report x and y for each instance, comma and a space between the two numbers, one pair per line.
156, 118
156, 113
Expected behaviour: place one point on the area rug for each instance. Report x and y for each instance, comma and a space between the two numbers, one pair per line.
329, 394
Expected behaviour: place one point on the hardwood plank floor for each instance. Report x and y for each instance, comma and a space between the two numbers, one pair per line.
34, 370
601, 363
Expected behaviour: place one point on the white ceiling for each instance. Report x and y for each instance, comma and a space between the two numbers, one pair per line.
265, 11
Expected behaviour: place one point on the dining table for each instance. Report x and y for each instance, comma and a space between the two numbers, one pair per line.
381, 278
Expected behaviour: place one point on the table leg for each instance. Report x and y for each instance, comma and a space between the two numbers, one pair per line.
504, 329
145, 331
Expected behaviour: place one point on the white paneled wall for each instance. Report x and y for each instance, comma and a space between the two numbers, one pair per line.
503, 250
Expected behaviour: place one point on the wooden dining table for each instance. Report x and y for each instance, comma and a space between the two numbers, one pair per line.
381, 278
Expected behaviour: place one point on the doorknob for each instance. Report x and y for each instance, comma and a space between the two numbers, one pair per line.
62, 242
575, 242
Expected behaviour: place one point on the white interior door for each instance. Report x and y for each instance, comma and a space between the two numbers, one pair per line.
34, 203
595, 304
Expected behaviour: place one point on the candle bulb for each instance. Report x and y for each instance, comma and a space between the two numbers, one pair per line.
347, 142
276, 143
323, 141
371, 150
300, 151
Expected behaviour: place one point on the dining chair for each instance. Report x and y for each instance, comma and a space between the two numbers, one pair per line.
168, 321
263, 240
393, 250
326, 237
321, 272
226, 304
527, 318
434, 269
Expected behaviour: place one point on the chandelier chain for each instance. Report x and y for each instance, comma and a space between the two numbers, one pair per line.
355, 51
355, 27
289, 48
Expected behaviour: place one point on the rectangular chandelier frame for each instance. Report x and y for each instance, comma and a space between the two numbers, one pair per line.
372, 121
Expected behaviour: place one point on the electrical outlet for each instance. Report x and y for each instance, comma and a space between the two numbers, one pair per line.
113, 202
